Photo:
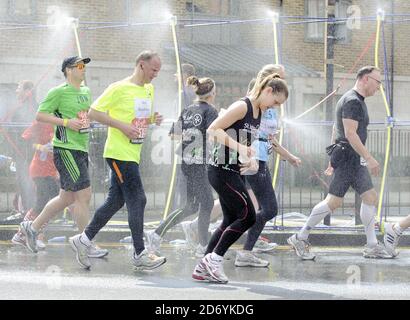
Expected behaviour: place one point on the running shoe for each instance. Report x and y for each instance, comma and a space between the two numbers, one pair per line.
191, 235
200, 251
264, 246
95, 251
147, 261
81, 250
301, 247
153, 241
30, 235
376, 252
391, 239
215, 269
19, 239
248, 259
200, 273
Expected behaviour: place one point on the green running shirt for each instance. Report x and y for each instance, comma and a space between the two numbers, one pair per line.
68, 102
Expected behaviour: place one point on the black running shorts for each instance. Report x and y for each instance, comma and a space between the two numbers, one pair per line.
350, 175
72, 165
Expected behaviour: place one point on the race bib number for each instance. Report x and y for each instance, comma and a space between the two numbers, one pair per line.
142, 119
269, 123
85, 121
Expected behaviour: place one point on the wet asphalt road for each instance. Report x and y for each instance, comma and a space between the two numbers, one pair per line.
337, 273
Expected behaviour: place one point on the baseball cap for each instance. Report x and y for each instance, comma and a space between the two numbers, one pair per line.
71, 61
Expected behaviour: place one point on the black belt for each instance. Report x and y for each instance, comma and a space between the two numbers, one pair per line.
263, 139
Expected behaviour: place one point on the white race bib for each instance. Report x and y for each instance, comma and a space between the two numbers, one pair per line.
142, 109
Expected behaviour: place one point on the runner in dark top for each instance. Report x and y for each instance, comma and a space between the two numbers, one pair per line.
194, 121
350, 130
233, 133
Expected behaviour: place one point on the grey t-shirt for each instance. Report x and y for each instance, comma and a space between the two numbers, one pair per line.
352, 106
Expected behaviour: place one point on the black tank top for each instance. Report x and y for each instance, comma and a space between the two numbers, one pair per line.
244, 131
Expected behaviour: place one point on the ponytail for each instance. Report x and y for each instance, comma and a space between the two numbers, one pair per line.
202, 87
274, 81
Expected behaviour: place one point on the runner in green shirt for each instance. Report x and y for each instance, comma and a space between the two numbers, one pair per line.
66, 107
126, 108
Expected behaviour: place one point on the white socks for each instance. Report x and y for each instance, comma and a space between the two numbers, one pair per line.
85, 239
319, 212
367, 214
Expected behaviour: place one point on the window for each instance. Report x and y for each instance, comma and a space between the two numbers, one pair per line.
317, 9
21, 10
191, 7
221, 8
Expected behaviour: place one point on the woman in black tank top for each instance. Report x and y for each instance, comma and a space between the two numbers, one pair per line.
232, 134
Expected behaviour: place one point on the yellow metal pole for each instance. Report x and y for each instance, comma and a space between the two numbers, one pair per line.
174, 165
282, 110
380, 18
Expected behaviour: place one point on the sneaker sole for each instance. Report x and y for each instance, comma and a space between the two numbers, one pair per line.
74, 247
142, 268
98, 256
200, 278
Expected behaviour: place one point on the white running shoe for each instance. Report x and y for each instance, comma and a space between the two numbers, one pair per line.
376, 252
81, 250
147, 261
95, 251
191, 235
215, 269
391, 239
301, 247
153, 241
200, 273
264, 246
248, 259
200, 251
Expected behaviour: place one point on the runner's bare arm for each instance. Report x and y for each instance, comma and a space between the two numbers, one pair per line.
74, 124
217, 128
103, 117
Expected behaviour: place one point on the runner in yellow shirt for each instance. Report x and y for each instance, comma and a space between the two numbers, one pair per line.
126, 108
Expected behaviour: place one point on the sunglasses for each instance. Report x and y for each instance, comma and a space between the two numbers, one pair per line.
378, 81
80, 66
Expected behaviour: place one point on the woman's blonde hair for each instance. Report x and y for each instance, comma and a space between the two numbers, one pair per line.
269, 76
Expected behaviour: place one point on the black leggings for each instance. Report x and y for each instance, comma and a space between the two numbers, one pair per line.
238, 211
199, 196
261, 184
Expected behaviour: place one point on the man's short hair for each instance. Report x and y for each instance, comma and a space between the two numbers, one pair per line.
365, 70
188, 69
146, 55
